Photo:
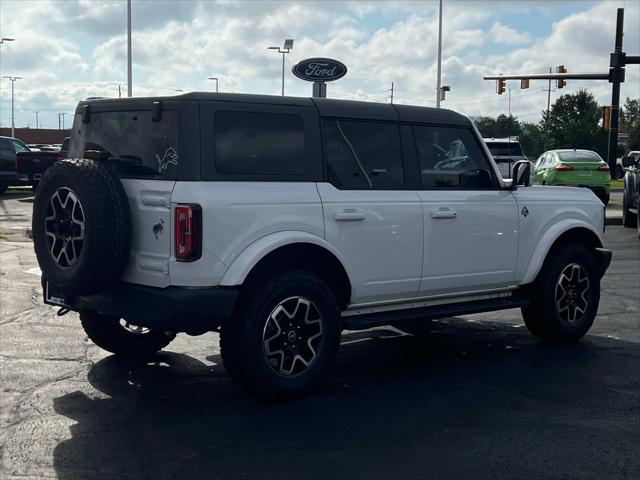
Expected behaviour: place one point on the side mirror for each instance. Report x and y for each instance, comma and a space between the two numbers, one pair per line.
628, 162
521, 174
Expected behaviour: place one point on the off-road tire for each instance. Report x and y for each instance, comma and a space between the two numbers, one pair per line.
629, 219
107, 219
107, 333
542, 317
241, 338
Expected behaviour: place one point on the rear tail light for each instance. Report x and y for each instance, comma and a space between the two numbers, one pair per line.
563, 167
603, 168
188, 226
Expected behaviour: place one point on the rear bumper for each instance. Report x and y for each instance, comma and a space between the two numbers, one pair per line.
13, 178
176, 309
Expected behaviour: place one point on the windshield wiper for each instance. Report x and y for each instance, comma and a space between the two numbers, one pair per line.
132, 161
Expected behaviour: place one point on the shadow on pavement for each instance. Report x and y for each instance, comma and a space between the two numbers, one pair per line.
469, 401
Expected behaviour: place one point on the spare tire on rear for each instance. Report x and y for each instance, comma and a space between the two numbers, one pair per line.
81, 226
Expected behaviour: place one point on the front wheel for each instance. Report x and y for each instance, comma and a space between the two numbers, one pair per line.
564, 298
117, 336
285, 337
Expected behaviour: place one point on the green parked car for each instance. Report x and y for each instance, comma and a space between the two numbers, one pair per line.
574, 168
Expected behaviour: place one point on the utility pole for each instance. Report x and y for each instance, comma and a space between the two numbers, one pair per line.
129, 65
119, 91
37, 124
391, 92
439, 82
58, 121
509, 101
13, 79
63, 114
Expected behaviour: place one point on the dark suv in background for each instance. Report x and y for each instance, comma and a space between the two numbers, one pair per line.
9, 148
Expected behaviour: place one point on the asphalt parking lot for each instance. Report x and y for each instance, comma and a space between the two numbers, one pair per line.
477, 398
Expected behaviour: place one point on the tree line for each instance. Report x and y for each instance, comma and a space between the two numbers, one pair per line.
573, 121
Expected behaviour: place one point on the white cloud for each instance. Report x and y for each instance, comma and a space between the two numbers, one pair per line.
502, 34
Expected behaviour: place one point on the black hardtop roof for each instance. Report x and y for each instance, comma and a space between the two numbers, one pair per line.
327, 107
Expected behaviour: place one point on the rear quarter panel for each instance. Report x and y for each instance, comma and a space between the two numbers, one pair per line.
545, 214
236, 215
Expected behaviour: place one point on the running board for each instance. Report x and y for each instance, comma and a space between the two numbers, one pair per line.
369, 320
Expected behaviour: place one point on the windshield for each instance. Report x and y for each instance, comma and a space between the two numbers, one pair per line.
505, 149
576, 156
138, 146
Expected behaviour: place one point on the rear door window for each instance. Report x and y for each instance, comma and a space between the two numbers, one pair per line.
259, 143
363, 155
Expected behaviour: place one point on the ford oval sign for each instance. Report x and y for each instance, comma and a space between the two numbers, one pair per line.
319, 70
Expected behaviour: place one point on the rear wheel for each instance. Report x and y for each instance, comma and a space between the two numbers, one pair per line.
117, 336
564, 298
285, 337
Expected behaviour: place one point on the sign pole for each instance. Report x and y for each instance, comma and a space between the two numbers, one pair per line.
319, 90
617, 73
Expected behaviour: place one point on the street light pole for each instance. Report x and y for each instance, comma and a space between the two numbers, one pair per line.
129, 68
439, 81
288, 46
13, 117
2, 40
216, 79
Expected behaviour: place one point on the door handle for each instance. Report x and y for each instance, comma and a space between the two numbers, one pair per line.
348, 216
444, 213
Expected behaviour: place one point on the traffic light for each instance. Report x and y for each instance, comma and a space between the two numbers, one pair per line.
524, 83
500, 86
606, 118
561, 82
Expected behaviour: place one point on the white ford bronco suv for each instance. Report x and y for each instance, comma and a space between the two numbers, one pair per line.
281, 221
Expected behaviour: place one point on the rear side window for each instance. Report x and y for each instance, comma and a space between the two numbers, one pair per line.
451, 158
255, 143
140, 146
505, 149
363, 155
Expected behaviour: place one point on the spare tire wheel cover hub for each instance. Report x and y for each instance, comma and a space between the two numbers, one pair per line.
65, 227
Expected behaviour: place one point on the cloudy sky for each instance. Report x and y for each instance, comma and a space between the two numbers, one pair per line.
67, 50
